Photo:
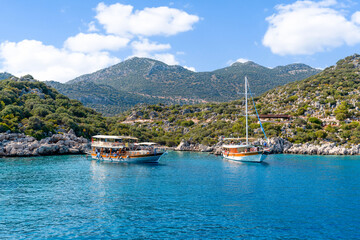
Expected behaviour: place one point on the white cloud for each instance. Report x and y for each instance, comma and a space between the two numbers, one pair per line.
45, 62
92, 27
94, 42
88, 52
121, 20
145, 46
307, 27
190, 68
242, 60
355, 18
167, 58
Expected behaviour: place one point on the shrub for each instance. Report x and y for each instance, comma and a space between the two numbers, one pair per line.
320, 134
314, 120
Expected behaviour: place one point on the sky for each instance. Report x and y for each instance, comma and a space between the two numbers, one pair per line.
63, 39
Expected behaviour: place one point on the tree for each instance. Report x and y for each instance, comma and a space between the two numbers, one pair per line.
341, 116
314, 120
321, 134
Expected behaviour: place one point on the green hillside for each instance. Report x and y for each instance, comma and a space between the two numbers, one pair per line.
325, 108
31, 107
142, 80
330, 100
106, 99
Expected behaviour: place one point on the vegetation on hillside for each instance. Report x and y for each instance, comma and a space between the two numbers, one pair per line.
31, 107
142, 80
324, 107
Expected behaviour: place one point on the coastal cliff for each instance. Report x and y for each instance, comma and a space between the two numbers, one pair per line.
18, 144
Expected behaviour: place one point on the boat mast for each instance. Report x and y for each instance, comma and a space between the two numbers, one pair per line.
246, 111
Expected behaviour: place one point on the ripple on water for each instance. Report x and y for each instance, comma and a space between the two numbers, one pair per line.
187, 195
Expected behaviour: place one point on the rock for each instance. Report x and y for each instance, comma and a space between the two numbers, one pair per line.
69, 143
74, 150
203, 148
63, 149
48, 149
44, 150
33, 146
71, 131
185, 111
2, 151
183, 146
217, 150
153, 115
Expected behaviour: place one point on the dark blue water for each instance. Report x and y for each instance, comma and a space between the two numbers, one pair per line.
188, 195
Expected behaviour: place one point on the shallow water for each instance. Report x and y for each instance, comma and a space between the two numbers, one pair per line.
187, 195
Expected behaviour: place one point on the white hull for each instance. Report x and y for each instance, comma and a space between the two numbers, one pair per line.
250, 158
145, 159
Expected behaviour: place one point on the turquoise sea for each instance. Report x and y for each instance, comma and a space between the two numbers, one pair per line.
186, 196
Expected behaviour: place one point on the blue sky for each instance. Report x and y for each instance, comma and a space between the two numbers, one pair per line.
60, 40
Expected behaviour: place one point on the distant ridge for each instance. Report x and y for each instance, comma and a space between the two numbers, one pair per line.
144, 80
5, 75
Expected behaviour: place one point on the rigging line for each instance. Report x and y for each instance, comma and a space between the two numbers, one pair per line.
262, 128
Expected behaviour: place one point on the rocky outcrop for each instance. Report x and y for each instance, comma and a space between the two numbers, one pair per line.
196, 147
18, 144
323, 149
280, 145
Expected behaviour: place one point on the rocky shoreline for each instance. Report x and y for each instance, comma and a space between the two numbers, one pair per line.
20, 145
279, 145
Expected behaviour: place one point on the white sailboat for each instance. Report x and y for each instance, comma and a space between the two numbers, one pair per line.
244, 152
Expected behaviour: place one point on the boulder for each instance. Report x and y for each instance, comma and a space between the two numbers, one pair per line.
63, 149
183, 146
2, 151
204, 148
33, 145
74, 150
48, 149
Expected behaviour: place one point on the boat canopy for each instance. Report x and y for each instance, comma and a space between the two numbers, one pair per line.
234, 139
146, 143
114, 137
237, 146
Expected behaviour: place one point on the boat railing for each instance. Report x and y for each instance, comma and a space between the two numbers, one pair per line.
139, 152
106, 144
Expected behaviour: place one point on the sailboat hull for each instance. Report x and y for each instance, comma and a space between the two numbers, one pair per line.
251, 157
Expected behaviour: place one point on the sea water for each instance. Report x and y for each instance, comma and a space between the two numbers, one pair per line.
186, 195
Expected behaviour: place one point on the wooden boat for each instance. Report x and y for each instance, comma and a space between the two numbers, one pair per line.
124, 149
245, 152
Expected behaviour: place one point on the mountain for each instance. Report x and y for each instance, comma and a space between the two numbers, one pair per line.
31, 107
325, 109
323, 103
146, 80
320, 94
5, 75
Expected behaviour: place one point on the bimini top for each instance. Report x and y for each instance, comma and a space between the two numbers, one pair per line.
237, 146
114, 137
146, 143
234, 139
